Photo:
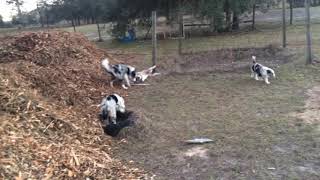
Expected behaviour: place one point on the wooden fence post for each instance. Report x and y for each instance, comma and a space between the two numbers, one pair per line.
308, 34
154, 37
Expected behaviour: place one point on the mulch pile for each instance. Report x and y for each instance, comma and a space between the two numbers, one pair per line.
49, 84
64, 66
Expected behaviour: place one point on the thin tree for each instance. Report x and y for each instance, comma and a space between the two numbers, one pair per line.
97, 13
18, 4
284, 35
228, 12
308, 34
253, 14
1, 21
291, 11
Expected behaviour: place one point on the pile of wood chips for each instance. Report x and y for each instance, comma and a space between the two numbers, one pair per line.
64, 66
49, 84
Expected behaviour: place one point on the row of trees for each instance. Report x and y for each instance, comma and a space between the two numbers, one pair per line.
223, 15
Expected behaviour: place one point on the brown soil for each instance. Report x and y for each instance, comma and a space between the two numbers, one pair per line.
311, 115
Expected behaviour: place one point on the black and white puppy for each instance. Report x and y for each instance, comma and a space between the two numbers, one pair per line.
259, 71
120, 72
110, 105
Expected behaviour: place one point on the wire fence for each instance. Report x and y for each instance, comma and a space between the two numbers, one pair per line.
268, 30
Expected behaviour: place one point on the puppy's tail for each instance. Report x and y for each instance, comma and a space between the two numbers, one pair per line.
254, 60
106, 65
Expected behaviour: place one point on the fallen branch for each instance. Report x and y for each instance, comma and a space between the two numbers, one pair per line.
198, 141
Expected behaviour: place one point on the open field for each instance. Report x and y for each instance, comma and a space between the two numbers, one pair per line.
91, 32
255, 136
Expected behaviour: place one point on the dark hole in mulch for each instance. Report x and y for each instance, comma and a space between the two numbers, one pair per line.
125, 119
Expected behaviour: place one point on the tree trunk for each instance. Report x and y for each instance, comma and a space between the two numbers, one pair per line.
99, 32
227, 10
19, 9
181, 32
47, 20
254, 15
73, 25
146, 36
41, 20
284, 28
235, 22
291, 11
168, 11
79, 22
228, 19
308, 34
92, 20
212, 24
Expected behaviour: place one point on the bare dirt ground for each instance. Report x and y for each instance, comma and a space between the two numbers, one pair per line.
254, 138
311, 114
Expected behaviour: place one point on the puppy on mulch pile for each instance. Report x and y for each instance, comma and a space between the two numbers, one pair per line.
114, 116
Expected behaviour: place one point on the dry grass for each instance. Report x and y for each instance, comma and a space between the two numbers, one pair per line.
255, 137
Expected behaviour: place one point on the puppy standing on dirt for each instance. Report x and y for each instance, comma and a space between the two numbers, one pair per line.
144, 74
120, 72
260, 71
110, 105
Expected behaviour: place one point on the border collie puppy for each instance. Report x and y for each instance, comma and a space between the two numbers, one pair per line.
120, 72
259, 71
110, 105
141, 76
